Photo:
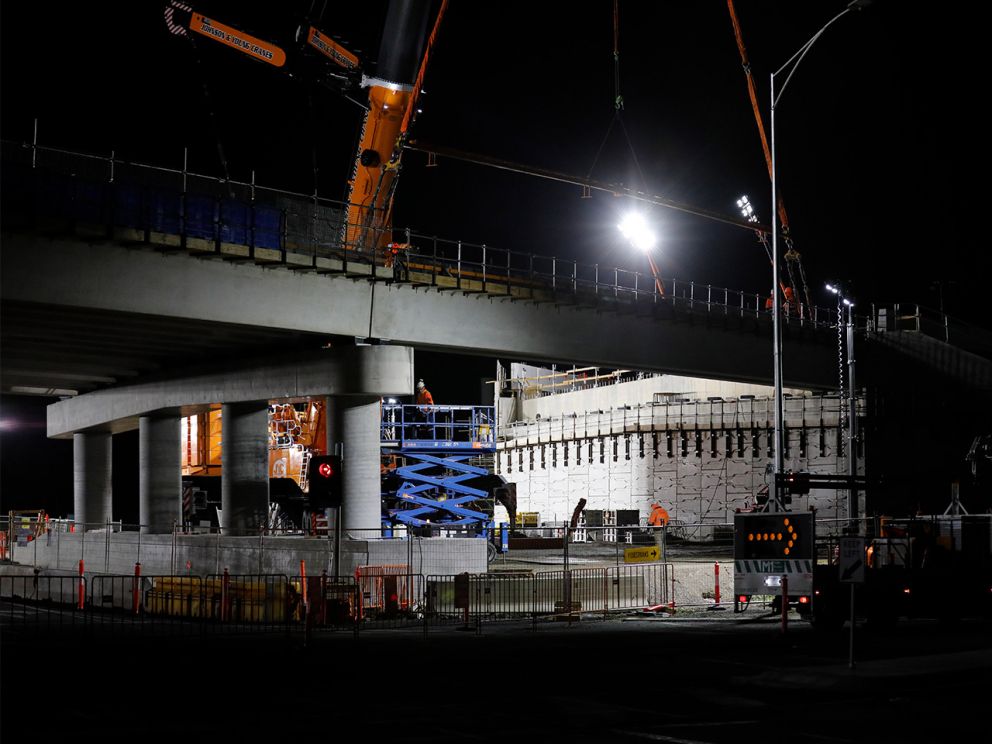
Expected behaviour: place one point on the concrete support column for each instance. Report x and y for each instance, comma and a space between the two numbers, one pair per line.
159, 473
354, 428
92, 496
244, 466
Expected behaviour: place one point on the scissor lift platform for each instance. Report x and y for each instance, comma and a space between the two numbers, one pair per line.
436, 445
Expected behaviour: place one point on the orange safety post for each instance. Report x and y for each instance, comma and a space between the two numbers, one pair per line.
716, 581
785, 604
82, 586
135, 589
322, 607
360, 593
225, 596
303, 582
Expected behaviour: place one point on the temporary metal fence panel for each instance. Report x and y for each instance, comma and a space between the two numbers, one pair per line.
634, 587
35, 603
552, 594
175, 603
501, 596
389, 596
331, 603
693, 584
248, 603
151, 605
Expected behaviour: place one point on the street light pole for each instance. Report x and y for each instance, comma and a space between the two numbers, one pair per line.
793, 62
853, 512
779, 448
852, 400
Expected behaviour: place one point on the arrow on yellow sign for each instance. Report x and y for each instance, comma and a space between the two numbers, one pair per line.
641, 555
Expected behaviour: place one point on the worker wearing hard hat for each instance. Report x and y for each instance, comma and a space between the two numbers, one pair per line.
424, 397
425, 411
659, 516
790, 298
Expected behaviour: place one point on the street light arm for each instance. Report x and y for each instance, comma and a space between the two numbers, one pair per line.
802, 53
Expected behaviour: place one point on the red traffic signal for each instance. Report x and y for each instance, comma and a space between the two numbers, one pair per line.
324, 481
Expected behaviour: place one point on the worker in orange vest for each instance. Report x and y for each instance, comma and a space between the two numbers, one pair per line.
424, 397
769, 303
790, 298
425, 412
659, 516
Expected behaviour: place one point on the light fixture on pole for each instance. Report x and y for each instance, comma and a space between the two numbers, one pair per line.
852, 399
640, 235
747, 209
792, 64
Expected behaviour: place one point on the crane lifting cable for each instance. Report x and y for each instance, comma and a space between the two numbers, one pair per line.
792, 257
617, 118
179, 17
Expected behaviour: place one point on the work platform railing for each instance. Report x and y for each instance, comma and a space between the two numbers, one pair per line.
108, 198
438, 427
933, 323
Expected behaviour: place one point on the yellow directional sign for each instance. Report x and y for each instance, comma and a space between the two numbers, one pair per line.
642, 555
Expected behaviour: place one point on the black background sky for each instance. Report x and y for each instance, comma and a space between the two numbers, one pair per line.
882, 147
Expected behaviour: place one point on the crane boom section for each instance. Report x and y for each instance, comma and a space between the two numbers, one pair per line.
331, 49
239, 40
753, 93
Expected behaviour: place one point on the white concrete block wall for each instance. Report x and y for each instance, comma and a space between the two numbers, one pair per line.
636, 392
695, 488
272, 555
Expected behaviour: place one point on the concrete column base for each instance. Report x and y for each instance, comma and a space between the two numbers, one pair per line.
92, 471
354, 428
244, 467
159, 474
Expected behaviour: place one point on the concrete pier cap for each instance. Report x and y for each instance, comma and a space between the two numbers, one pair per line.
367, 371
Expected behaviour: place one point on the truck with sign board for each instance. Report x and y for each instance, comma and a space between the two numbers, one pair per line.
774, 555
922, 566
933, 566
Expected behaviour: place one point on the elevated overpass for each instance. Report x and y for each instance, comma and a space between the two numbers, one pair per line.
149, 291
101, 285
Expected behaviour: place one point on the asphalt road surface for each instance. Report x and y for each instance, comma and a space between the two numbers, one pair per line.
703, 677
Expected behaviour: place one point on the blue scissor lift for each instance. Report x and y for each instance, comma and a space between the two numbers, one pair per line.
435, 444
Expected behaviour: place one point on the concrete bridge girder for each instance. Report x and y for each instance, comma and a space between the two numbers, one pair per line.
66, 274
716, 344
354, 378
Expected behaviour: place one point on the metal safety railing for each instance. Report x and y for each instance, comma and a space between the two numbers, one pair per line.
378, 597
51, 188
930, 322
469, 427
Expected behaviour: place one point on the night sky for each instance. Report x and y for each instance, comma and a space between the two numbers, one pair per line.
879, 133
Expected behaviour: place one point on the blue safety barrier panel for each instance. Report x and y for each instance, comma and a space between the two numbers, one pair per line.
268, 227
164, 212
201, 217
129, 205
235, 218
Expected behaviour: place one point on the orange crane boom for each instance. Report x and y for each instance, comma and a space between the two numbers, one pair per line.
392, 103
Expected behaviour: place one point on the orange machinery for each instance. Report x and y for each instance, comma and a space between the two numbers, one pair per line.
296, 432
